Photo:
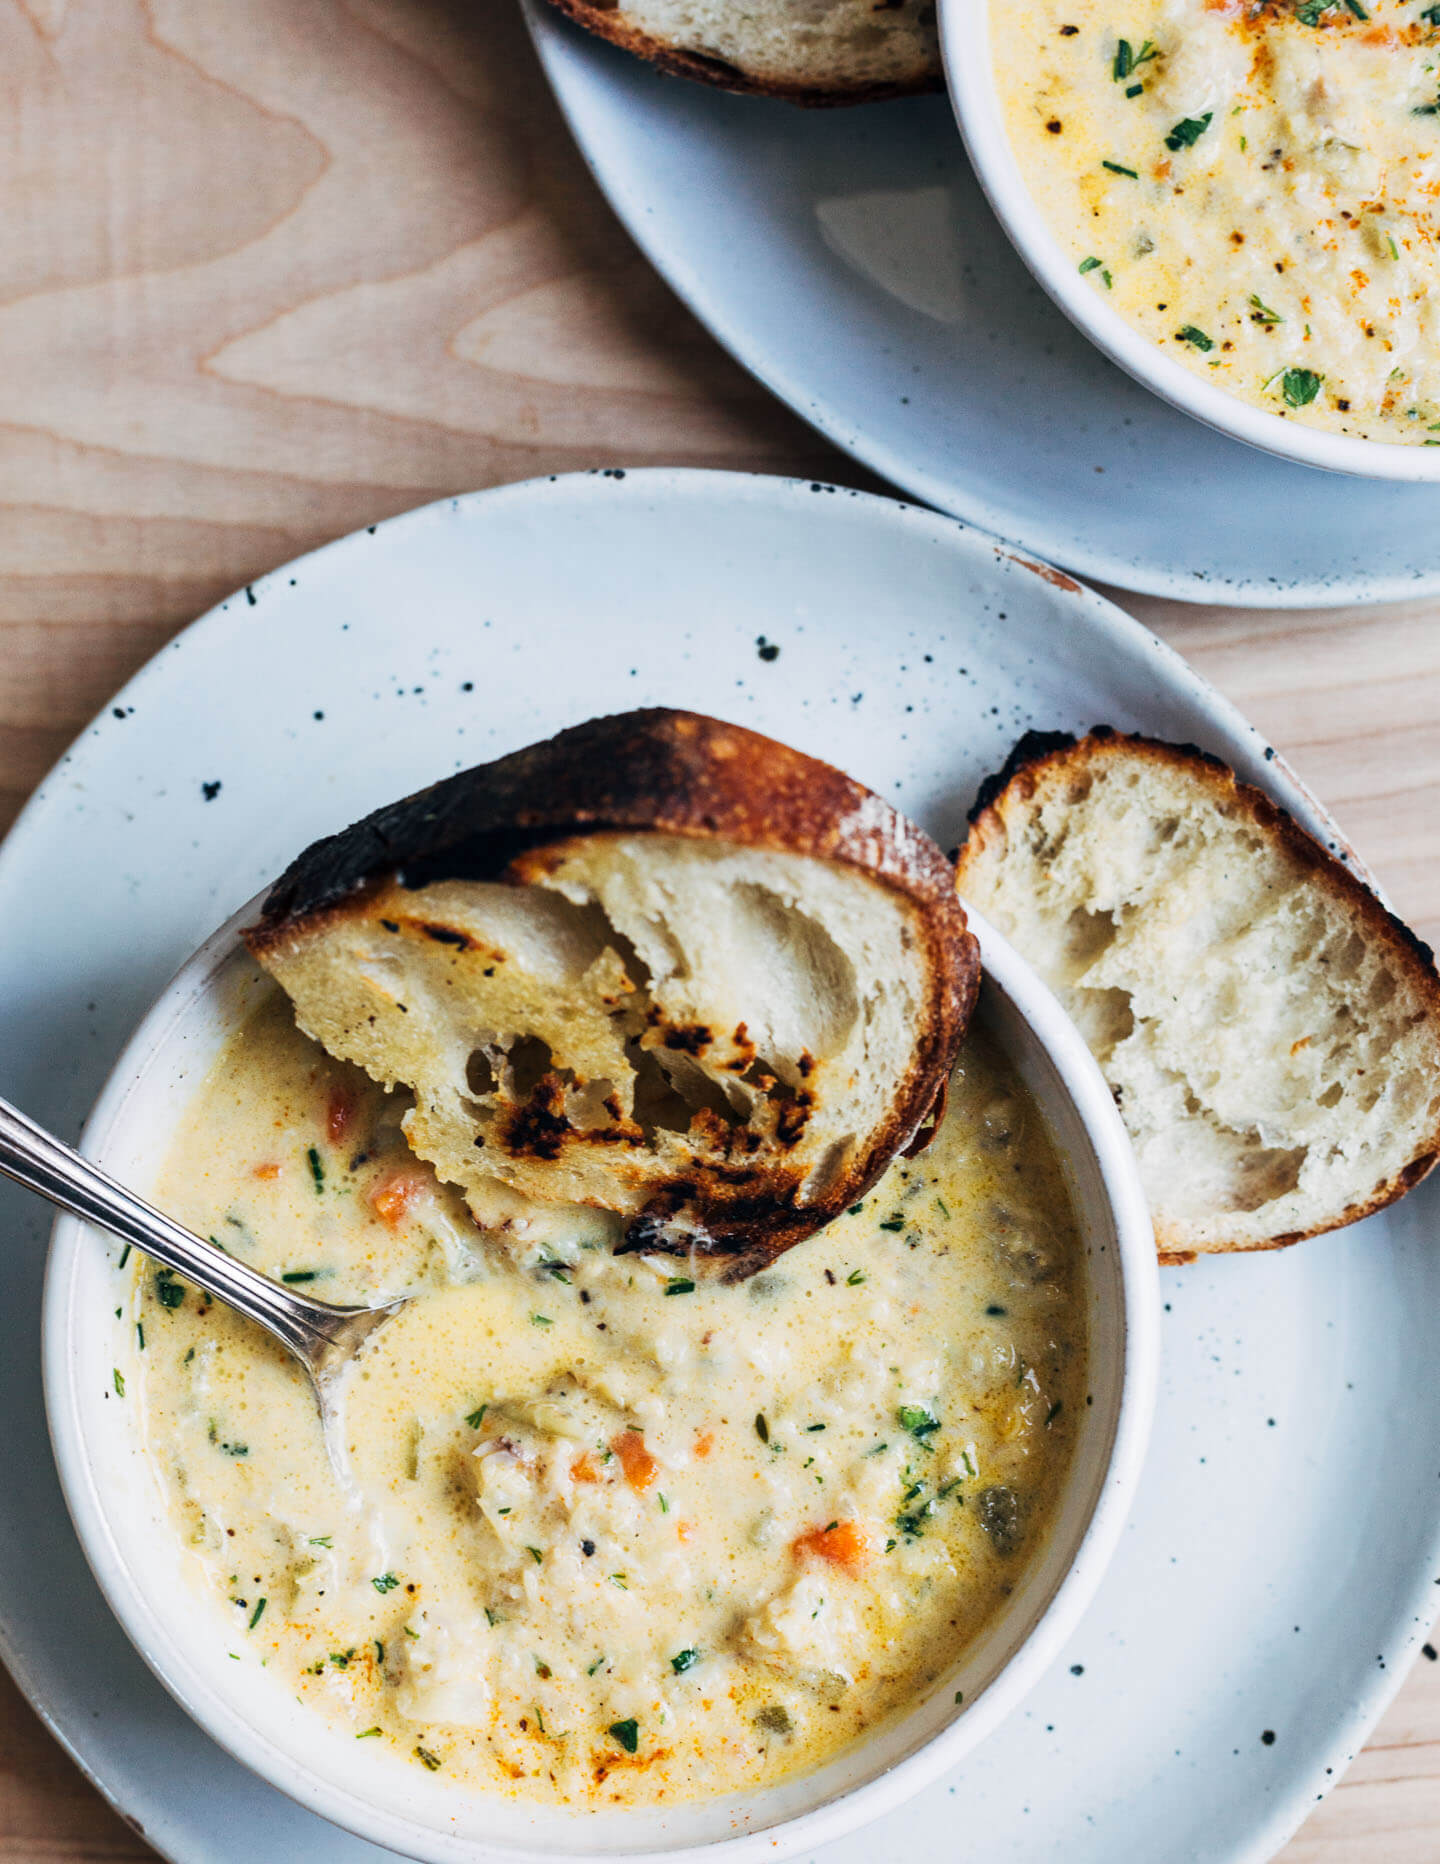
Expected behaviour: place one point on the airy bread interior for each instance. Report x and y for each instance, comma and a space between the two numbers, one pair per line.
1271, 1034
815, 50
645, 1015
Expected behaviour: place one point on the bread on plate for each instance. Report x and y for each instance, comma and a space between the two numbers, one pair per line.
806, 51
1271, 1032
658, 977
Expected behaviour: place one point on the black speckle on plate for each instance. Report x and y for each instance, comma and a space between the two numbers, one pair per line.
210, 790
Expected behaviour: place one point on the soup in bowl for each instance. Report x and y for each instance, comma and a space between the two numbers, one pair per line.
612, 1558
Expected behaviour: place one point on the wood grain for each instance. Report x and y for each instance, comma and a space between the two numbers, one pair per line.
274, 269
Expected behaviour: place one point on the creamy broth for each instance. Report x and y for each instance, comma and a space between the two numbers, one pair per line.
1253, 184
612, 1531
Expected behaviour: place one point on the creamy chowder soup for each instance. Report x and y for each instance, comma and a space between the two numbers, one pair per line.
1253, 184
611, 1531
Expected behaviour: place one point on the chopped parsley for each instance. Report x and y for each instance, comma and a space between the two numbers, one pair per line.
1128, 60
1188, 131
1300, 387
627, 1733
919, 1420
168, 1291
684, 1660
387, 1582
1092, 264
1261, 312
1190, 334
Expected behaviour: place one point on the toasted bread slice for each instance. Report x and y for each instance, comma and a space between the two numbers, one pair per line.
659, 979
814, 52
1271, 1033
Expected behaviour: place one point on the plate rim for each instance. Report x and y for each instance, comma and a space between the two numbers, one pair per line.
555, 38
1414, 1607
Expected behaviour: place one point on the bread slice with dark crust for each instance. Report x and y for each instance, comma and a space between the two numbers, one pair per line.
658, 972
806, 52
1270, 1031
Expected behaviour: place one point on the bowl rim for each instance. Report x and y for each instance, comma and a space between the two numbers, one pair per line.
964, 28
1079, 1080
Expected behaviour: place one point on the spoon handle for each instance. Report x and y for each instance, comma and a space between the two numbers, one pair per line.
42, 1163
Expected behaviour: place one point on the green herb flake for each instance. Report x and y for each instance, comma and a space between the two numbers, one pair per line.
894, 1222
855, 1209
619, 1579
476, 1418
257, 1614
140, 1335
664, 1505
317, 1169
1188, 131
684, 1660
678, 1284
1189, 333
1054, 1412
854, 1278
365, 1734
1136, 90
762, 1429
627, 1733
299, 1275
1116, 168
541, 1320
1262, 314
321, 1540
169, 1292
1128, 60
124, 1255
379, 1651
596, 1665
1300, 387
536, 1555
119, 1378
814, 1427
427, 1759
387, 1582
919, 1420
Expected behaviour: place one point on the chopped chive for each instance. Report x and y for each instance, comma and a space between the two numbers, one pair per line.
366, 1733
541, 1320
854, 1278
299, 1275
257, 1615
1263, 313
317, 1169
124, 1255
427, 1759
321, 1540
1116, 169
596, 1665
140, 1334
684, 1660
679, 1285
119, 1377
762, 1429
536, 1555
476, 1418
1189, 333
619, 1579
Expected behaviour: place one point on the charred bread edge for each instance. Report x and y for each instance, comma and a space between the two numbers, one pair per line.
724, 76
1043, 753
674, 773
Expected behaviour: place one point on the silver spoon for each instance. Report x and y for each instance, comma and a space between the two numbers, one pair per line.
324, 1338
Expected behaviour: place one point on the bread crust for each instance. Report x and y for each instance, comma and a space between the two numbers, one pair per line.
1042, 759
609, 24
678, 774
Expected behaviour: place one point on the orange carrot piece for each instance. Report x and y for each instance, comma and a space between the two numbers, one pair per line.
639, 1465
585, 1468
392, 1195
842, 1543
267, 1171
704, 1444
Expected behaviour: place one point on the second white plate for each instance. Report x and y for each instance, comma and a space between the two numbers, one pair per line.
849, 260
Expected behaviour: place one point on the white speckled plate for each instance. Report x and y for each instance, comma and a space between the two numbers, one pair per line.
849, 260
1279, 1569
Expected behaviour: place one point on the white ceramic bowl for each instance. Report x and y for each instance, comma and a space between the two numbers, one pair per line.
969, 71
181, 1632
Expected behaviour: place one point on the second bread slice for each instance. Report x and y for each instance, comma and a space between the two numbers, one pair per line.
1270, 1032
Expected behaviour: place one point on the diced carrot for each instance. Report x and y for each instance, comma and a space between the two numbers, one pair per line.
639, 1465
704, 1444
340, 1112
585, 1468
685, 1530
267, 1171
392, 1195
842, 1543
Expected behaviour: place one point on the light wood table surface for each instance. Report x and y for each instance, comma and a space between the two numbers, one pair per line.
273, 269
